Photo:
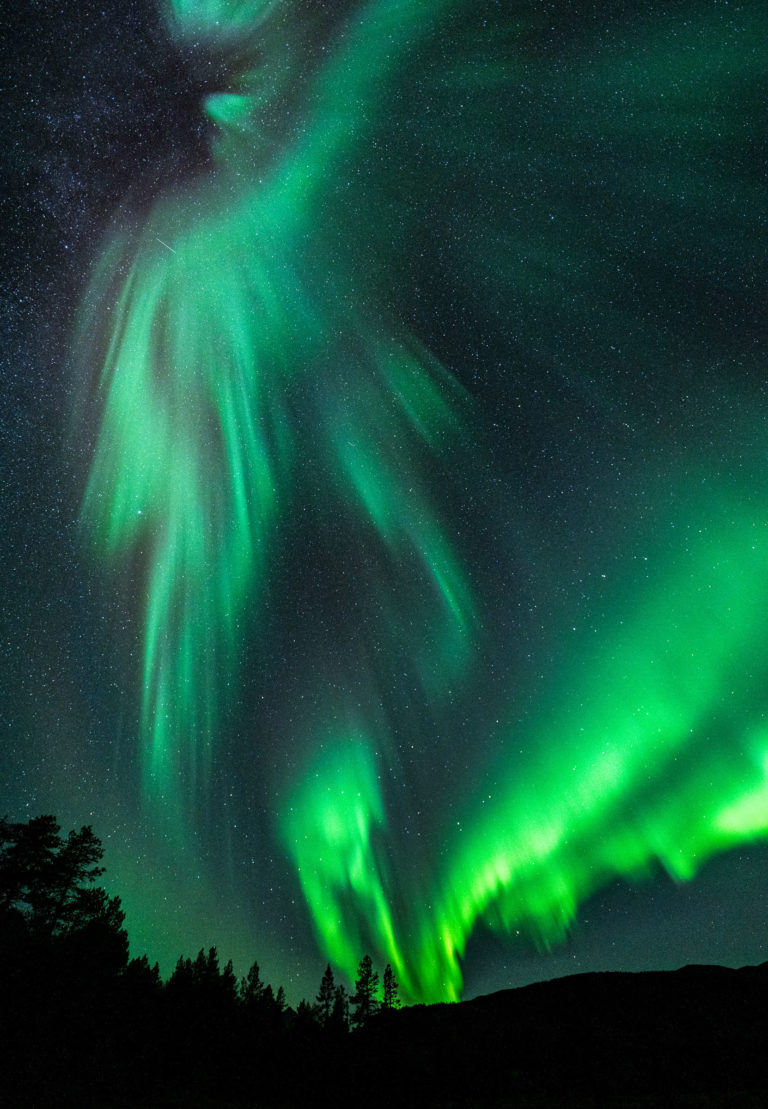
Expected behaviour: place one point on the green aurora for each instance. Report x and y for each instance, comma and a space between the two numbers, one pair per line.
255, 369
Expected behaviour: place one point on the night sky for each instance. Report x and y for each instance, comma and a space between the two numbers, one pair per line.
383, 478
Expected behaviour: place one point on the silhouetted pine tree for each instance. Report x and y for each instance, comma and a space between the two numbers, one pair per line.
47, 880
305, 1022
326, 996
339, 1021
252, 987
364, 998
391, 999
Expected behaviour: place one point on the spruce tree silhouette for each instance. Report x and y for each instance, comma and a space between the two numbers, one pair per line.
391, 998
326, 996
364, 998
252, 987
339, 1022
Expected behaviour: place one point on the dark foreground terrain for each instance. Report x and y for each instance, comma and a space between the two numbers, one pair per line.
83, 1026
693, 1037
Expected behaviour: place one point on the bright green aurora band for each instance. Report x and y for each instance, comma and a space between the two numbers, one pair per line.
249, 372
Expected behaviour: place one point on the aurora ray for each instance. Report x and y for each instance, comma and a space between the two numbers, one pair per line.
197, 449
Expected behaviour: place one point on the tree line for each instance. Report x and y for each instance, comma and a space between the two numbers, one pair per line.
83, 1023
333, 1009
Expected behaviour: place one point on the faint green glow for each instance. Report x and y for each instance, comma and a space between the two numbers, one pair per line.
229, 109
219, 19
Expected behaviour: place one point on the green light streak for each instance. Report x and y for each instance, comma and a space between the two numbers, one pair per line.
226, 20
221, 322
641, 770
331, 828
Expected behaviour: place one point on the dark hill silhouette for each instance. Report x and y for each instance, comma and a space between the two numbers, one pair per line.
692, 1037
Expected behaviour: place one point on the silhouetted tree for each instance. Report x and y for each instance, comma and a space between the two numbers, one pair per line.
339, 1021
142, 978
65, 954
182, 979
391, 999
229, 981
305, 1021
205, 1020
364, 997
252, 987
213, 991
47, 879
325, 997
205, 968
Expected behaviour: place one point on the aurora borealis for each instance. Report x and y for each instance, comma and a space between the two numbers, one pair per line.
407, 593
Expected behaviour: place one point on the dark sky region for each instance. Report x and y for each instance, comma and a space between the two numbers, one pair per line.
383, 478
